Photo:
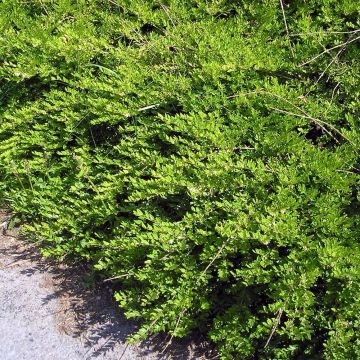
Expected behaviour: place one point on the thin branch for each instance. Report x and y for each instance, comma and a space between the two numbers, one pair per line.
328, 50
276, 324
304, 114
197, 282
214, 258
154, 106
44, 7
92, 136
331, 62
318, 122
116, 277
167, 12
325, 33
286, 27
328, 66
335, 58
105, 68
334, 90
355, 172
243, 148
16, 262
19, 179
79, 122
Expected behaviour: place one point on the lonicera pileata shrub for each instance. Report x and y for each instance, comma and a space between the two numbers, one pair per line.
204, 154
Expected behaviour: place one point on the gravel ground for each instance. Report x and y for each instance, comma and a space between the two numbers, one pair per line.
33, 322
52, 312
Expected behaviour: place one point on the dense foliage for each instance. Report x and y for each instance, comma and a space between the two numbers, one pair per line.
203, 153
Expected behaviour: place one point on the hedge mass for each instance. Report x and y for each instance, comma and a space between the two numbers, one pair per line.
204, 154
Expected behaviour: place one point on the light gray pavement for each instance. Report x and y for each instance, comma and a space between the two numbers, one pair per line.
46, 313
35, 318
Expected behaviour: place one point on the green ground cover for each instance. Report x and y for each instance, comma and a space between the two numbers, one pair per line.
204, 154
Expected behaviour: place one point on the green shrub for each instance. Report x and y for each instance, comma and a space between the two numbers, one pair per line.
200, 154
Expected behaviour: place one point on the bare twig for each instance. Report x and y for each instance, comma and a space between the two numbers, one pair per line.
123, 353
276, 324
92, 136
105, 68
325, 33
243, 148
334, 90
44, 7
330, 63
28, 175
303, 114
326, 51
116, 277
214, 258
18, 178
154, 106
286, 27
167, 12
197, 282
79, 122
356, 171
335, 58
318, 122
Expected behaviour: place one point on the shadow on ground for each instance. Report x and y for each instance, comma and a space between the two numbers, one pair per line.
88, 312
